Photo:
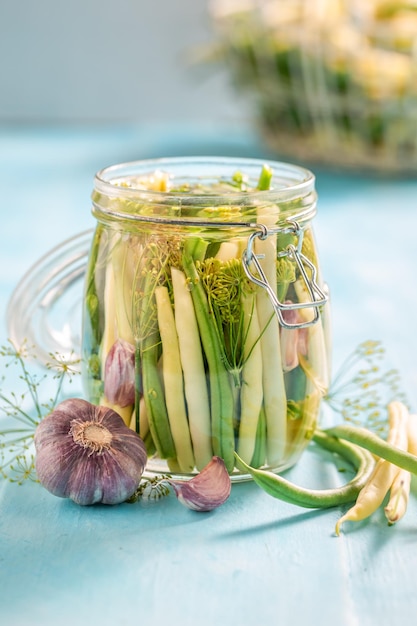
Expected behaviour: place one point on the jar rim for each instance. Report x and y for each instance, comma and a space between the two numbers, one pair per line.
289, 182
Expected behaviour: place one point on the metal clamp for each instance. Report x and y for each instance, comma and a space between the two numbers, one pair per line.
317, 296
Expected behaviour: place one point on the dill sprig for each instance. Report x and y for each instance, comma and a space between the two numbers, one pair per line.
225, 283
151, 489
360, 392
154, 270
364, 386
21, 411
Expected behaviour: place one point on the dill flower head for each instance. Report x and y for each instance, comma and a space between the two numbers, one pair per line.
364, 386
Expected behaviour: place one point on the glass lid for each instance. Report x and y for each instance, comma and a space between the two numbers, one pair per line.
45, 309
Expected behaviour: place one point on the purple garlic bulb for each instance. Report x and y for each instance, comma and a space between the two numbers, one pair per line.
87, 453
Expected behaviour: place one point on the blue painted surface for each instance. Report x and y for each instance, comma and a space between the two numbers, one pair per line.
255, 561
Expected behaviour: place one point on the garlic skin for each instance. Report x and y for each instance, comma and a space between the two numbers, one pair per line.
294, 341
207, 490
87, 453
119, 374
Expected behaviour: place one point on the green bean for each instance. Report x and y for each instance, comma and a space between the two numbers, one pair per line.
192, 361
280, 488
259, 454
251, 392
274, 394
368, 440
155, 404
265, 178
173, 381
222, 406
153, 392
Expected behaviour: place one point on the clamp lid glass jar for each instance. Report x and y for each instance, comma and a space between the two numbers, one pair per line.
204, 319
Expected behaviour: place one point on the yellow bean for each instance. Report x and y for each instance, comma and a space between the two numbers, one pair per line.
400, 490
124, 412
382, 478
143, 422
412, 434
372, 495
399, 496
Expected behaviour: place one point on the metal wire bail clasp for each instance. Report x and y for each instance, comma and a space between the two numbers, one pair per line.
249, 259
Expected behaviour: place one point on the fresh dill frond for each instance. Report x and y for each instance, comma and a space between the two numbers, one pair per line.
151, 489
286, 274
364, 386
22, 410
225, 283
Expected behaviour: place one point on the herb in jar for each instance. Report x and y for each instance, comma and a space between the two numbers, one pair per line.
203, 347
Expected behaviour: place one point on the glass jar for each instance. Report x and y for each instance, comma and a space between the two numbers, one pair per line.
205, 315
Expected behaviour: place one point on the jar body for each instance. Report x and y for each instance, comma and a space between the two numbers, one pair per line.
181, 341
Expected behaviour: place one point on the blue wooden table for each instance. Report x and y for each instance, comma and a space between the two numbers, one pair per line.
255, 561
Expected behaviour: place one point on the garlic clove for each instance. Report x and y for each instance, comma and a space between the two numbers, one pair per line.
119, 374
289, 340
293, 340
87, 453
206, 491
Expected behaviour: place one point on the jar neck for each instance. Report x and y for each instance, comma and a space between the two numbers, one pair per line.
203, 191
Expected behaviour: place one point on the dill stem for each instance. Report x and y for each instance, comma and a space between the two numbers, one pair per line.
19, 411
10, 461
30, 385
138, 387
251, 395
347, 363
9, 431
59, 389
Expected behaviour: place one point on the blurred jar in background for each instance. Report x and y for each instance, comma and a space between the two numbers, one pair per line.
331, 81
